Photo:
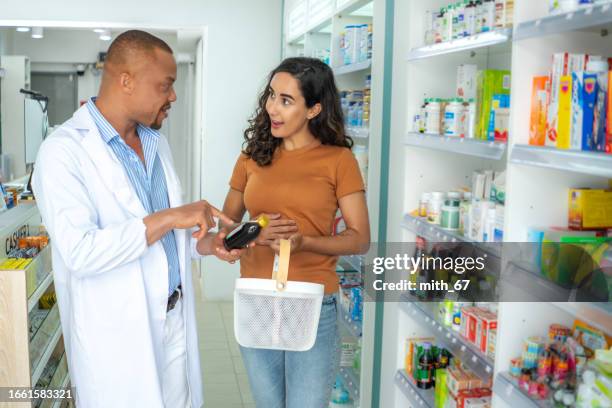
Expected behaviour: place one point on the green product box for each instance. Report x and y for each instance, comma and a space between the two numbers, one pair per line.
489, 82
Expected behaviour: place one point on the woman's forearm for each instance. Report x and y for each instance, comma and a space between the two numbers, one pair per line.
348, 242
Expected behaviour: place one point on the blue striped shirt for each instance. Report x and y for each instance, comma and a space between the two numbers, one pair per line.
149, 182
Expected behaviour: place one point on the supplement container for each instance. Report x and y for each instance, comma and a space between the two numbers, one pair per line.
434, 209
453, 118
432, 116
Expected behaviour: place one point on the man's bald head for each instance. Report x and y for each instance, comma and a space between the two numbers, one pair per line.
133, 45
139, 73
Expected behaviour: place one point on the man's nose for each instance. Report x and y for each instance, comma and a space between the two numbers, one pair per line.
172, 97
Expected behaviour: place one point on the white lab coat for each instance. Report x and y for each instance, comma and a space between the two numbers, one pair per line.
111, 287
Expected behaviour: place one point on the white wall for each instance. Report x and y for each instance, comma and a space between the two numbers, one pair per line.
244, 45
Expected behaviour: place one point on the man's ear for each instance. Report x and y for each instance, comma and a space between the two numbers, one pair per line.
126, 81
314, 111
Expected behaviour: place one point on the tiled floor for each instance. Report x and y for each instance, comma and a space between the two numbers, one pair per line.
225, 381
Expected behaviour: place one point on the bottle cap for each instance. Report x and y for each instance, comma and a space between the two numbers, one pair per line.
263, 221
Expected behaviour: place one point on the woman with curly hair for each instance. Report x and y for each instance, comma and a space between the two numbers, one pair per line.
297, 167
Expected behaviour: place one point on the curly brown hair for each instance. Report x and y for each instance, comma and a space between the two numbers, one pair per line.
317, 84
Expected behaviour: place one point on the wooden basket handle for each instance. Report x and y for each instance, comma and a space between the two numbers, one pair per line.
281, 271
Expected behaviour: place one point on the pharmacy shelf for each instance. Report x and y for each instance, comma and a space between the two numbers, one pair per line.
354, 327
44, 285
417, 397
507, 388
590, 17
592, 163
40, 366
351, 6
356, 262
351, 381
525, 284
595, 314
434, 233
473, 42
470, 147
358, 132
460, 347
351, 68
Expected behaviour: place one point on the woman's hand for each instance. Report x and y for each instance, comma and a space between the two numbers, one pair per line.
212, 244
296, 240
278, 228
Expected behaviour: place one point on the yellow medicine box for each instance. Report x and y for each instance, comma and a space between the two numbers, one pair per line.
590, 209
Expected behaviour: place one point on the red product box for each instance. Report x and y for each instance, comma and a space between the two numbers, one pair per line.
472, 324
473, 397
487, 325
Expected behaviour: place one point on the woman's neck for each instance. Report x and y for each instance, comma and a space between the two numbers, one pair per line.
299, 139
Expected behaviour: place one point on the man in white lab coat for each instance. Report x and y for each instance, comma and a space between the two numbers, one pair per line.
120, 234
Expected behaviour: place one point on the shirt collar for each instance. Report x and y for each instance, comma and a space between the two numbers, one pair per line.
107, 131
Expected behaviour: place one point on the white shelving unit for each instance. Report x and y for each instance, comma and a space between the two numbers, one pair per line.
29, 353
312, 28
538, 179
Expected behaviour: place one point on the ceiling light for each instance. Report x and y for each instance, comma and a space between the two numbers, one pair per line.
105, 36
37, 32
23, 29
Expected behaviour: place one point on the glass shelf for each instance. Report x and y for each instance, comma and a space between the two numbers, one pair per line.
469, 147
593, 163
350, 381
358, 132
356, 67
473, 42
460, 347
506, 387
353, 326
418, 398
589, 17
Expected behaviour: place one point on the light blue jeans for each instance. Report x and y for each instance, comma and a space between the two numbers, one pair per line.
297, 379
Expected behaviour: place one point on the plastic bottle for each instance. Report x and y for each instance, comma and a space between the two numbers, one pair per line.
245, 233
434, 209
432, 116
424, 374
452, 118
423, 204
438, 27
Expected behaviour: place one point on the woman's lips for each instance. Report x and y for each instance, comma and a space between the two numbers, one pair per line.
276, 124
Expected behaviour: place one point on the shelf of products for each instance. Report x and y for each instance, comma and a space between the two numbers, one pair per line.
596, 314
44, 285
460, 347
417, 397
473, 42
355, 261
585, 17
42, 347
506, 387
593, 163
351, 68
351, 381
358, 132
471, 147
354, 327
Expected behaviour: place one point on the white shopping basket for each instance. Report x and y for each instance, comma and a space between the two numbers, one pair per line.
276, 314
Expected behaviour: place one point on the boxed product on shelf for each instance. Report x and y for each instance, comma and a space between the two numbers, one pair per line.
564, 115
539, 106
589, 209
356, 43
561, 6
561, 365
31, 255
499, 121
466, 81
489, 83
600, 68
347, 353
584, 96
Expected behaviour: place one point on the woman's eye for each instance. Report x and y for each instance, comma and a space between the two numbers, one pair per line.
286, 101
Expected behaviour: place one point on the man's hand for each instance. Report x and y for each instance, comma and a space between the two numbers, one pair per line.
199, 213
278, 228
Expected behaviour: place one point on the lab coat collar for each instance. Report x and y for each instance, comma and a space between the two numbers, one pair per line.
107, 164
